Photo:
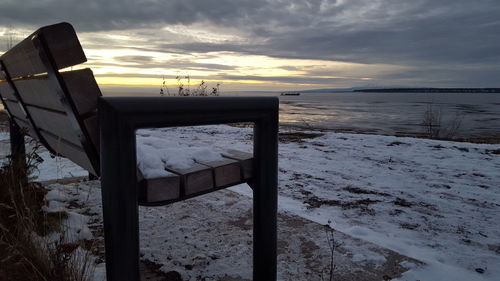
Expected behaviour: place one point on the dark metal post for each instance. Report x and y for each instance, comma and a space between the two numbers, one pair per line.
265, 198
119, 196
92, 177
18, 151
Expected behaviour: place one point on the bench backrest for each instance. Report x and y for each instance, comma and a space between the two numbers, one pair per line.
56, 107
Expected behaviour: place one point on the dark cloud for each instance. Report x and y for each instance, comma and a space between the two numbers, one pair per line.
452, 34
289, 79
142, 62
134, 59
96, 15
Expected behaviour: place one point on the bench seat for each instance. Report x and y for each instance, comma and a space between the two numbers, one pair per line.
201, 177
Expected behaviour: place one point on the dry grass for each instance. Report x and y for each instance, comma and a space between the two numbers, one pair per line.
26, 250
328, 274
184, 88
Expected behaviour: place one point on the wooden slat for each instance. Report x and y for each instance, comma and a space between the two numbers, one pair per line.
245, 159
16, 110
83, 89
55, 123
226, 172
197, 178
6, 91
157, 190
161, 189
40, 91
68, 150
23, 59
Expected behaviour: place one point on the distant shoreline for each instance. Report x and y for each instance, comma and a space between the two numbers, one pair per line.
431, 90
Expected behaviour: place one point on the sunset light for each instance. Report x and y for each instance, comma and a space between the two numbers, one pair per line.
265, 140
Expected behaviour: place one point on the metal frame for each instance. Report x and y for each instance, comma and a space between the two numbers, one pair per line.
120, 117
18, 152
17, 145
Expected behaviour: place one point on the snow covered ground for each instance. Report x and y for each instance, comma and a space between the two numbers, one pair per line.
435, 201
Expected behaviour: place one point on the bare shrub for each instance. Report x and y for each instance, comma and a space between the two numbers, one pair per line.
432, 121
436, 128
328, 274
453, 126
184, 88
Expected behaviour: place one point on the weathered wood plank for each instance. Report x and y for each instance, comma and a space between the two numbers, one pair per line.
6, 91
68, 150
55, 123
39, 91
226, 172
83, 89
197, 178
16, 110
24, 59
157, 190
245, 159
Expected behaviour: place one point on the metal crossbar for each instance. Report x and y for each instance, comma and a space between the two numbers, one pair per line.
120, 117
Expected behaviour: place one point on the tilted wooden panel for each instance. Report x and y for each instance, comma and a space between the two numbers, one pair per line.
6, 91
69, 150
40, 91
83, 89
24, 59
55, 123
16, 110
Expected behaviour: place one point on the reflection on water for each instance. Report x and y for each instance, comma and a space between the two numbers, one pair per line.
393, 113
384, 113
387, 113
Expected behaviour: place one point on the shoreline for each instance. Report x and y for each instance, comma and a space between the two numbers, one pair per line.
479, 140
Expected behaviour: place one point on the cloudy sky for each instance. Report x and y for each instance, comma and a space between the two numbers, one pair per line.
276, 44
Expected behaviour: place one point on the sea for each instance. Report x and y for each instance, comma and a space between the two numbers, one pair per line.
465, 115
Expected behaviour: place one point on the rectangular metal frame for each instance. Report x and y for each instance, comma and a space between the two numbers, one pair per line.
120, 117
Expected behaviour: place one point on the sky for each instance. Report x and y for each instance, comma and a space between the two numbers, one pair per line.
275, 44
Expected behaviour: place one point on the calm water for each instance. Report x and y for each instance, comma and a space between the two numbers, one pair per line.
387, 113
393, 113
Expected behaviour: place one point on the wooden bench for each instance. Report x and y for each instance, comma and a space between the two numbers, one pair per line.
64, 110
